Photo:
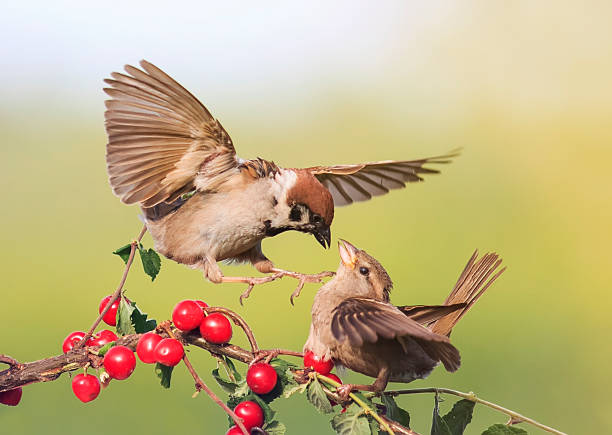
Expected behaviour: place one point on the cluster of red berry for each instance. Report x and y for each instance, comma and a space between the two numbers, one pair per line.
119, 361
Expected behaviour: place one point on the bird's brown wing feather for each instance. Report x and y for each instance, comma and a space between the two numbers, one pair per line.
425, 314
360, 182
360, 320
162, 141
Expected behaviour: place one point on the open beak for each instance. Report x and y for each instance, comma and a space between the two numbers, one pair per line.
348, 253
323, 236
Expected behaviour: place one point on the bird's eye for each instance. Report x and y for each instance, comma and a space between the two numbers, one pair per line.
364, 271
316, 218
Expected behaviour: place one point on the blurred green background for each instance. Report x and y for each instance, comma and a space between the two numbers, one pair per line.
524, 87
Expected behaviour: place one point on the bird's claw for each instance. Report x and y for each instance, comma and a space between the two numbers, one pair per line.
303, 278
344, 391
252, 282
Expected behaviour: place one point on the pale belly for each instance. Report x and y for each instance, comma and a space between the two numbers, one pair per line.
206, 227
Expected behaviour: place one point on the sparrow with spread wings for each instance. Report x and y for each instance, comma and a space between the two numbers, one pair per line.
201, 202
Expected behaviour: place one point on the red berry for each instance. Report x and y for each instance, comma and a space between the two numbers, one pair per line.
261, 378
72, 339
317, 363
86, 387
110, 318
101, 338
202, 304
11, 397
215, 328
250, 413
145, 349
234, 430
169, 352
119, 362
187, 315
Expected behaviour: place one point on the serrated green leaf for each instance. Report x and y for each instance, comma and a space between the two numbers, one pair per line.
232, 368
124, 252
318, 398
294, 389
374, 426
351, 422
140, 322
502, 429
275, 427
164, 373
124, 317
394, 412
151, 262
230, 386
459, 417
438, 425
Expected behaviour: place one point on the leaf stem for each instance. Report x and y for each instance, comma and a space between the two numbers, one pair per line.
515, 416
117, 294
383, 424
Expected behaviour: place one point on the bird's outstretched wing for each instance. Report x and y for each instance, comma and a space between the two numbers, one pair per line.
360, 182
361, 320
162, 142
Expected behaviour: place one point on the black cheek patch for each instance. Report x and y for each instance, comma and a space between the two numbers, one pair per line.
295, 214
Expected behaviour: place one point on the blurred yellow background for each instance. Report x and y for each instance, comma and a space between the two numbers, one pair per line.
523, 87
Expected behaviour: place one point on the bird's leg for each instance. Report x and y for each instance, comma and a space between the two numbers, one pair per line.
264, 265
379, 385
214, 274
302, 278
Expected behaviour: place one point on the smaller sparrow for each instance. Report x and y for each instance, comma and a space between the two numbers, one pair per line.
355, 325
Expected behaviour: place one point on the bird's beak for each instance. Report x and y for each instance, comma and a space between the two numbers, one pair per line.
323, 236
348, 253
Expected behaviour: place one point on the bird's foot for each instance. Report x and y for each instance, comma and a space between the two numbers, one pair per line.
303, 278
251, 281
344, 391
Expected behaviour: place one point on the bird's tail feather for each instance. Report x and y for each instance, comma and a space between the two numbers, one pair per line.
475, 279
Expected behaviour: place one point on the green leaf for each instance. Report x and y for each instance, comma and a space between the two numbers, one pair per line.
459, 417
275, 427
124, 317
232, 368
394, 412
352, 422
164, 373
102, 351
140, 322
150, 261
438, 425
317, 397
229, 386
124, 252
502, 429
294, 389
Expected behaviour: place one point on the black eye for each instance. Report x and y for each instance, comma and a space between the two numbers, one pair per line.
316, 218
364, 271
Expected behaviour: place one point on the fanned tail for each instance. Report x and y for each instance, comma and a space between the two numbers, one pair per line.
472, 283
